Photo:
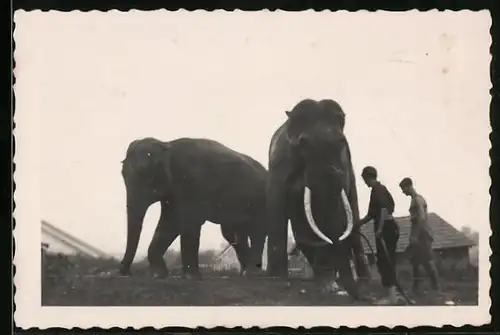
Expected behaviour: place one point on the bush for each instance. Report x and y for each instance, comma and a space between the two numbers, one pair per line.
448, 269
59, 268
55, 266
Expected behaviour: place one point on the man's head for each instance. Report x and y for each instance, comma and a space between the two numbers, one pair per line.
369, 175
406, 186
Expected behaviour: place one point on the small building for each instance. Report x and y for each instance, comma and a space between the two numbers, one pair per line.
451, 247
55, 240
448, 241
474, 256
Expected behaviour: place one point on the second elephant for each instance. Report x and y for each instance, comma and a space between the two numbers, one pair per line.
195, 180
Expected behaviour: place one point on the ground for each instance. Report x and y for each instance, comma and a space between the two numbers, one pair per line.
84, 282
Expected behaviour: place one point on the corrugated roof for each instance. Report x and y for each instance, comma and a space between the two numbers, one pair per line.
71, 241
445, 235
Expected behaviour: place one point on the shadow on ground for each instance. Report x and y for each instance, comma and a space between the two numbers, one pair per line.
77, 281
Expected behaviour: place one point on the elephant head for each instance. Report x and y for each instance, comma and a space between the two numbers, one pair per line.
146, 176
319, 150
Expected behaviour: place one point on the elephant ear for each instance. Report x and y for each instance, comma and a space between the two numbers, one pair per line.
288, 113
155, 156
345, 161
145, 157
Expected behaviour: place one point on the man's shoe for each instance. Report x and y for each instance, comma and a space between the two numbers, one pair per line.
390, 299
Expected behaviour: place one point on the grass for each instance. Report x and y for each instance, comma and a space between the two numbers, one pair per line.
77, 281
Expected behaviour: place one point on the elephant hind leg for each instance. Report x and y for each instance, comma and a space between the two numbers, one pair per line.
165, 234
242, 251
257, 242
190, 246
239, 241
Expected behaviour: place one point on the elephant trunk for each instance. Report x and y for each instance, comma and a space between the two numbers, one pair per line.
135, 218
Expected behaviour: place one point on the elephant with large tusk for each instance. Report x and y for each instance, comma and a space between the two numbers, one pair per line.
311, 183
195, 180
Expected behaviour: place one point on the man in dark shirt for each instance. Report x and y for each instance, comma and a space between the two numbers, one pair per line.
380, 211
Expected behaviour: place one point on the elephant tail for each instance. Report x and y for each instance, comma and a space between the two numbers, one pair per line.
234, 240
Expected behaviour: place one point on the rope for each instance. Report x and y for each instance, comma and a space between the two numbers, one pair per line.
367, 241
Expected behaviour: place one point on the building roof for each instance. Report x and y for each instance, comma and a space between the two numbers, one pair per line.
71, 241
445, 235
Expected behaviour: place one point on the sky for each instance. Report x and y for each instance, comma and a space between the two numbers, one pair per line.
414, 87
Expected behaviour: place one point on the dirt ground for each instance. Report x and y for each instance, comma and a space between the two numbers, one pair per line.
80, 282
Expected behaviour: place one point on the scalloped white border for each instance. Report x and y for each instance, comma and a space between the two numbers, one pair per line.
29, 312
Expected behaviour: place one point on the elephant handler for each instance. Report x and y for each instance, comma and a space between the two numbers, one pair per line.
380, 211
421, 238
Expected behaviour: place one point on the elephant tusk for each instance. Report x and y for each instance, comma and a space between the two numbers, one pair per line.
310, 218
348, 213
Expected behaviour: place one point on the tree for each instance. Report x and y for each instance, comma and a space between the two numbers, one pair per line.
471, 234
172, 257
466, 230
207, 257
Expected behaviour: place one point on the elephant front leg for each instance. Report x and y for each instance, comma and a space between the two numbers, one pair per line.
276, 249
346, 277
190, 245
165, 234
277, 221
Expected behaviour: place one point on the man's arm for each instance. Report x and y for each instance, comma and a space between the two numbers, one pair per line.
369, 215
382, 201
418, 218
381, 221
420, 209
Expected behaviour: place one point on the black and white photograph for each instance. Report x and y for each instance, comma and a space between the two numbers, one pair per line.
188, 167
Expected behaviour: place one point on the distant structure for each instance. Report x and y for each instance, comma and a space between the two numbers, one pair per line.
297, 264
227, 259
474, 256
449, 243
55, 240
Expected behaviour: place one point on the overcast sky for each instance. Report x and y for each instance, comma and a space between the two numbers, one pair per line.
414, 88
